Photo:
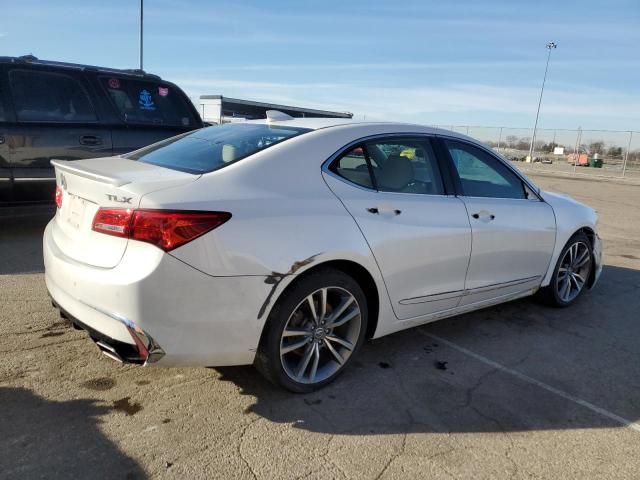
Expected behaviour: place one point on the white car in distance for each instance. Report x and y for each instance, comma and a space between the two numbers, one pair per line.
288, 242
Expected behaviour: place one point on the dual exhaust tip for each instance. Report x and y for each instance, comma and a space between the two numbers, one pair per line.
109, 351
145, 350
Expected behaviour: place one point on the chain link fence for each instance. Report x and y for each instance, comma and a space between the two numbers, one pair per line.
597, 153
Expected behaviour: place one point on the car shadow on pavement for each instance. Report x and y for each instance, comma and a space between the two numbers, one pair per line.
444, 377
21, 231
41, 438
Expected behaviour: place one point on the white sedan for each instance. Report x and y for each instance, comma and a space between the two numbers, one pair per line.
288, 242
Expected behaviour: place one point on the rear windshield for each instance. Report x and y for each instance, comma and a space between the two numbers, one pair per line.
149, 103
212, 148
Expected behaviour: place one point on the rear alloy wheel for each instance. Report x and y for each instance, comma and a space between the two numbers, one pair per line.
313, 331
571, 273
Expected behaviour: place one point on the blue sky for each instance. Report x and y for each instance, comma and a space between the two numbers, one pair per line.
435, 62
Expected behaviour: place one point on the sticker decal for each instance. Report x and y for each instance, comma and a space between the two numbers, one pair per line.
145, 100
163, 91
114, 83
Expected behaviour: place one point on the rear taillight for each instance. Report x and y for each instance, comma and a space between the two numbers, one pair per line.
170, 229
162, 228
113, 221
58, 196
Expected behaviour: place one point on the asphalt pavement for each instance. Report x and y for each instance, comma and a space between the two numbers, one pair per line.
515, 391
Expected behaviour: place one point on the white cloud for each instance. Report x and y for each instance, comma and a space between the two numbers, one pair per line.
425, 103
403, 66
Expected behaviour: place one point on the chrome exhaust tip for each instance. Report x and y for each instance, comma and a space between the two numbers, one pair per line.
109, 351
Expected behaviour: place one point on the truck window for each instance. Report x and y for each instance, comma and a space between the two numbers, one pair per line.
49, 97
2, 114
148, 103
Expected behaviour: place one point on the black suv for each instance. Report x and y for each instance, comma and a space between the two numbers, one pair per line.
68, 111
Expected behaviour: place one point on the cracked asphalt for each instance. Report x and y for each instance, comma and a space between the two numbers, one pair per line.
514, 391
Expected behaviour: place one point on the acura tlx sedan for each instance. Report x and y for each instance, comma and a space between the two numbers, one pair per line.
287, 243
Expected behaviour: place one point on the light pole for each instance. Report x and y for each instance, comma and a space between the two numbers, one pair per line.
550, 46
141, 25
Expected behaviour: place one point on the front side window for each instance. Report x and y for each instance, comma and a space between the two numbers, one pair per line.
212, 148
481, 174
148, 103
405, 166
49, 97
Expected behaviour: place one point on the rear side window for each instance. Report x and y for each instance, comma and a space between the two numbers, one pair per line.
212, 148
393, 165
148, 103
49, 97
405, 166
353, 167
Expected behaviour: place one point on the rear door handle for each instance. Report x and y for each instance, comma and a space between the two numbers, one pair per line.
377, 211
484, 216
90, 140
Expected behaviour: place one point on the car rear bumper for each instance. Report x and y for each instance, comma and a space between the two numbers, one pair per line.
154, 309
141, 353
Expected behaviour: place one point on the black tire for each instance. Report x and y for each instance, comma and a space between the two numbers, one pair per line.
551, 294
268, 358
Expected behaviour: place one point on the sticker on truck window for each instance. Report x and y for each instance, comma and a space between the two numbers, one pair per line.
114, 83
163, 91
145, 100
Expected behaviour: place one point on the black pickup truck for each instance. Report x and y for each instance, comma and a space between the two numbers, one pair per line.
71, 111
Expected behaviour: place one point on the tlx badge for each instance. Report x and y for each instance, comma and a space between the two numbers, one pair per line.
115, 198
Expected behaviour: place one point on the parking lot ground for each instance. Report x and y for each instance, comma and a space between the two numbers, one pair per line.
559, 168
514, 391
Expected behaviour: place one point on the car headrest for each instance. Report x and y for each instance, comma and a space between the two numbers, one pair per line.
396, 173
229, 153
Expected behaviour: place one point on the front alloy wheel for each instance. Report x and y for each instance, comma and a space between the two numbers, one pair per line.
571, 273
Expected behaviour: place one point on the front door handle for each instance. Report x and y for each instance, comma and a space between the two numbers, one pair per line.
90, 140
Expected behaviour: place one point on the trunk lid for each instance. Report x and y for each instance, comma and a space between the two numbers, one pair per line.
114, 182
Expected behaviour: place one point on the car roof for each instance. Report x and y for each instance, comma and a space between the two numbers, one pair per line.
320, 123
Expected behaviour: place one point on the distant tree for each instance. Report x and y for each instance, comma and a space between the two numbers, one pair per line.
550, 147
634, 156
511, 141
614, 152
596, 147
539, 145
523, 143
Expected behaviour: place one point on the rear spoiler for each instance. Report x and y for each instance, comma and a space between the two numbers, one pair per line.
71, 167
